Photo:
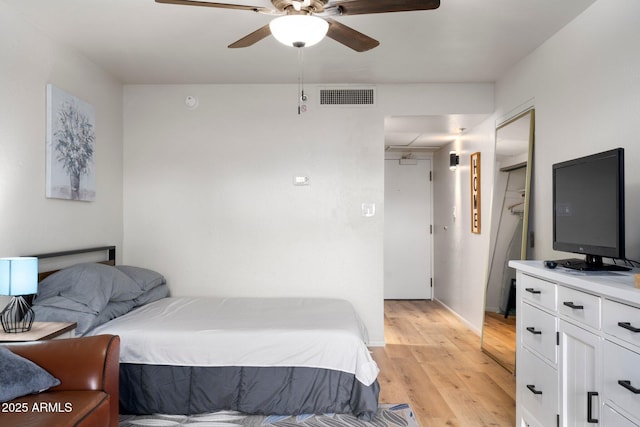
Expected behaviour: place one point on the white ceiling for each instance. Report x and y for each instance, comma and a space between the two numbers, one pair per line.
426, 133
140, 41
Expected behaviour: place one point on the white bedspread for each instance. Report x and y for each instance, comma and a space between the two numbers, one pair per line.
301, 332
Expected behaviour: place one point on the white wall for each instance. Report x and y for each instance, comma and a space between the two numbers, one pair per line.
29, 222
209, 199
585, 85
461, 257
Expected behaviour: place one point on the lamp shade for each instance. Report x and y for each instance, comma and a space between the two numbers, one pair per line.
299, 30
18, 276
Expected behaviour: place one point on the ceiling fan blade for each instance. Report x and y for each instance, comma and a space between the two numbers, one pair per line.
350, 37
361, 7
252, 38
217, 5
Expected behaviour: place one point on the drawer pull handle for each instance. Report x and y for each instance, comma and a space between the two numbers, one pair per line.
628, 386
533, 390
628, 326
532, 329
590, 396
570, 304
532, 291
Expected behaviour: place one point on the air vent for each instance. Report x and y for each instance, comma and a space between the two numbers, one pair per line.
347, 97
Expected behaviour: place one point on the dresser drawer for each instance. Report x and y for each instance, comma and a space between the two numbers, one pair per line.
579, 306
537, 385
621, 365
612, 418
537, 291
622, 321
539, 330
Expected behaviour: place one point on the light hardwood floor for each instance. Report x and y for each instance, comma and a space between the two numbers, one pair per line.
433, 362
500, 339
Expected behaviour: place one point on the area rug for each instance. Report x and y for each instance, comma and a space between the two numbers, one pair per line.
387, 416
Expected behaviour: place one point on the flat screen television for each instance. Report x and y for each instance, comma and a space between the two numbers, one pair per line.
588, 210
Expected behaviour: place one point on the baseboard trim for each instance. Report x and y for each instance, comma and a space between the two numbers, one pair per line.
475, 330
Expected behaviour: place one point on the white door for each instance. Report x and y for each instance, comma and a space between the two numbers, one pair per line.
407, 235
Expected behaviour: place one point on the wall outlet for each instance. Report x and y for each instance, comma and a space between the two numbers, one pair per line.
300, 180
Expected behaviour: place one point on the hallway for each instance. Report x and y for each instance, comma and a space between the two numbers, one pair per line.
433, 362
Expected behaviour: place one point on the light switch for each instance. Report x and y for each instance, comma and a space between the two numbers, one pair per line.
368, 209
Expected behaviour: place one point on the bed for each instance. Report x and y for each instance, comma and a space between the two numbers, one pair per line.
188, 355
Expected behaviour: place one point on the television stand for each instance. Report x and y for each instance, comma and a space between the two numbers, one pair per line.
583, 265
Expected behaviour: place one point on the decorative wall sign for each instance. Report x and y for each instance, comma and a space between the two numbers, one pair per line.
475, 192
70, 146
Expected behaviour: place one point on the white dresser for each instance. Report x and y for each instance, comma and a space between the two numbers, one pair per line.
578, 347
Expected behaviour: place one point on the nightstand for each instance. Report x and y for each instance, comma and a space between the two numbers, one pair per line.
41, 331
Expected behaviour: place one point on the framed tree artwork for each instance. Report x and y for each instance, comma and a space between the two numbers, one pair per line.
475, 193
70, 147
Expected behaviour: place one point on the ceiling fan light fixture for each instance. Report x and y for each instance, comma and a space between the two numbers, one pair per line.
299, 30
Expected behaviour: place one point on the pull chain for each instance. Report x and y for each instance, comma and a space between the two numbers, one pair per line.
302, 97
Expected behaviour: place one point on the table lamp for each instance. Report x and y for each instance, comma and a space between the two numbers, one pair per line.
18, 277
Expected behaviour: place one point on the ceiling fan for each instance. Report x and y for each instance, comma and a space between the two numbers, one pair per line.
317, 13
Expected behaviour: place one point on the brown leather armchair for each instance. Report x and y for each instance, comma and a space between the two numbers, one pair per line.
88, 369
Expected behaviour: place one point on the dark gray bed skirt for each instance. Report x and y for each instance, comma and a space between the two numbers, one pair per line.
187, 390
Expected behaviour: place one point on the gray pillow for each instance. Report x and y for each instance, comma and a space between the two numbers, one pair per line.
145, 278
152, 295
20, 376
53, 313
112, 310
87, 287
83, 284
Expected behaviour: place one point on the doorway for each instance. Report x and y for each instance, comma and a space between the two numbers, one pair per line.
408, 226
